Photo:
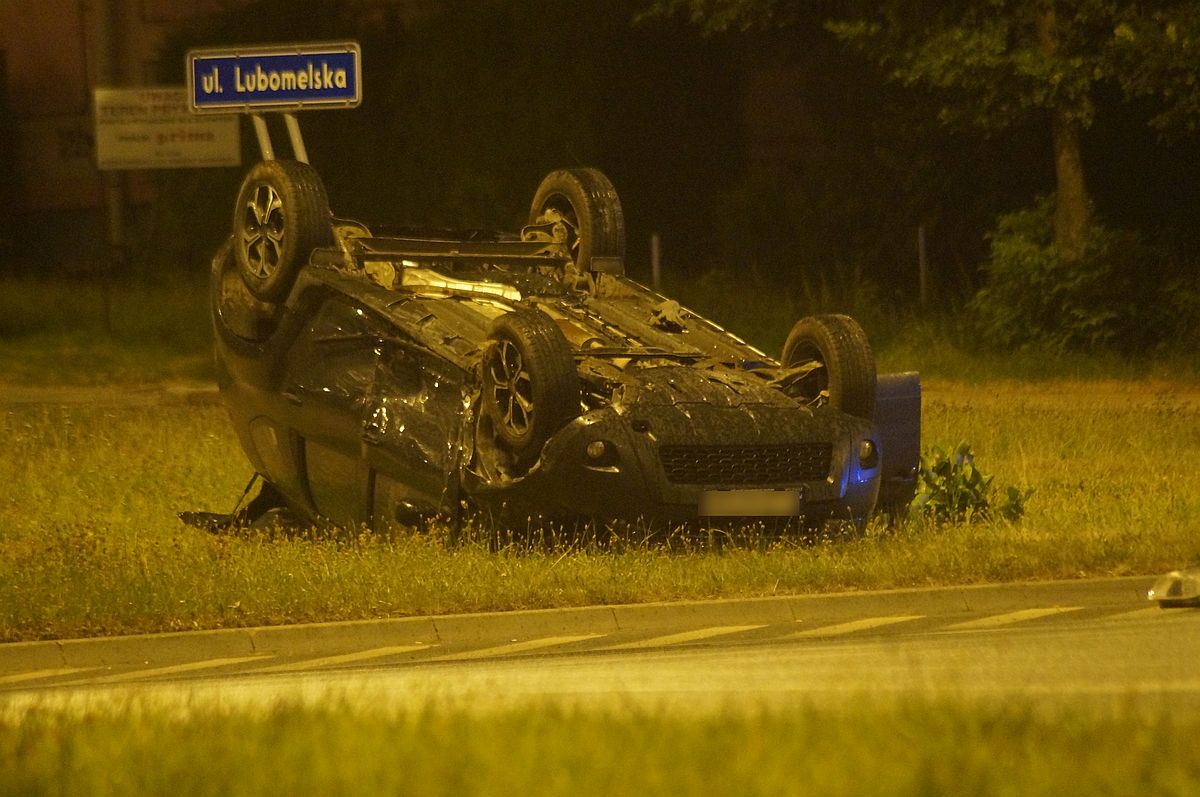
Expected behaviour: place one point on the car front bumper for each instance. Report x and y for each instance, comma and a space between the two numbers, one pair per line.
607, 465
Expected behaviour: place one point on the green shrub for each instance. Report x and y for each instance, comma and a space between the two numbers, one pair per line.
1112, 299
1181, 310
951, 489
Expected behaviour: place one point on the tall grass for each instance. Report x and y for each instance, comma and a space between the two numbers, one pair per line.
908, 748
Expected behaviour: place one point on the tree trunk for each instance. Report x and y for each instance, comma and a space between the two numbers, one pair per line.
1072, 211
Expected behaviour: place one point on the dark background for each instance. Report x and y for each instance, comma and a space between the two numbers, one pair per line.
778, 156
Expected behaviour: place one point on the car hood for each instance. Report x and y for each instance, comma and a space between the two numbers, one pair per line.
713, 385
721, 406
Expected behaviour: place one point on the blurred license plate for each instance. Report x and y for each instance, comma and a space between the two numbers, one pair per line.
760, 503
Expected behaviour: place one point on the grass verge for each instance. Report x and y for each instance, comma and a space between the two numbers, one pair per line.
90, 543
910, 748
83, 332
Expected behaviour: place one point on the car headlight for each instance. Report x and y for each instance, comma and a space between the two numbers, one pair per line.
601, 455
868, 454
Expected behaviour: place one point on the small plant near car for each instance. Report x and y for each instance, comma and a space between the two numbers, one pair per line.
952, 489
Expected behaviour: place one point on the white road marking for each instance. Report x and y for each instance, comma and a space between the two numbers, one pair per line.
345, 658
175, 669
515, 647
854, 626
684, 636
1010, 618
34, 675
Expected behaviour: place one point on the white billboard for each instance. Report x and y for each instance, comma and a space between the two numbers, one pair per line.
154, 128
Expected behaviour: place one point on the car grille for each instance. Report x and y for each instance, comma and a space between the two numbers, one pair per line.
741, 465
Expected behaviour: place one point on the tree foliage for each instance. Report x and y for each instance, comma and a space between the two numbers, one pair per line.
993, 67
1156, 50
993, 58
720, 16
994, 61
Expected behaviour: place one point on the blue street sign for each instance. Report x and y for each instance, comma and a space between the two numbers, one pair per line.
293, 77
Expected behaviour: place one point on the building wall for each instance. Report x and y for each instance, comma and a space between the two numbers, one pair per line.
56, 51
45, 51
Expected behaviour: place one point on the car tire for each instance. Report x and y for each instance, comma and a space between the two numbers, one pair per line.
588, 203
281, 215
839, 344
530, 384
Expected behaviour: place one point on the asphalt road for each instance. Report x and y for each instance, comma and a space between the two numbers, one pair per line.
1069, 641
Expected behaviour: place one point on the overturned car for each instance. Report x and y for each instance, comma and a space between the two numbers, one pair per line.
383, 380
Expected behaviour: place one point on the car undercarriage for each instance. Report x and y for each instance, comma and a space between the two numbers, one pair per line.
382, 380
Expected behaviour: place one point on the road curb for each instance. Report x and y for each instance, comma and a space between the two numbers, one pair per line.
505, 627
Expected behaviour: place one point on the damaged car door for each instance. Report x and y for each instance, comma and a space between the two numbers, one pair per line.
378, 416
328, 377
413, 434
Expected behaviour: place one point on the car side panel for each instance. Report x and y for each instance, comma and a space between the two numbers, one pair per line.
328, 375
413, 433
